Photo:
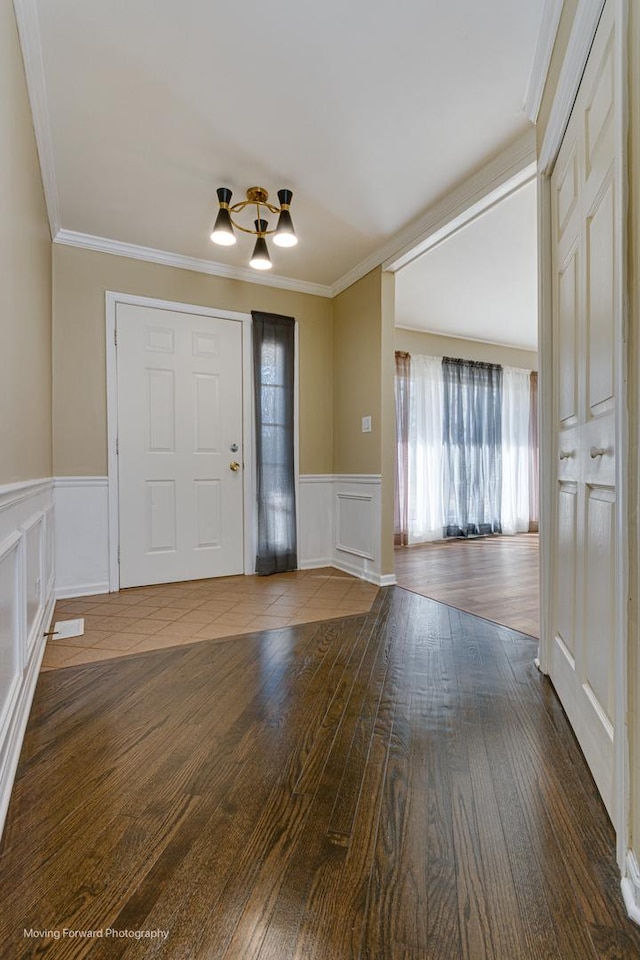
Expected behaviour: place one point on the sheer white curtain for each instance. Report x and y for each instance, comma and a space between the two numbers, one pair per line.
426, 512
516, 400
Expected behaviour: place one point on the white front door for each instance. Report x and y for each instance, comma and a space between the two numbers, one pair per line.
180, 445
587, 231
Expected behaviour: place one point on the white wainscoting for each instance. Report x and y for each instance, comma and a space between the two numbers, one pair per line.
357, 525
315, 520
26, 609
631, 887
340, 524
82, 535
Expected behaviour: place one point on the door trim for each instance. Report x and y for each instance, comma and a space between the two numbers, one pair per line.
583, 31
112, 299
581, 40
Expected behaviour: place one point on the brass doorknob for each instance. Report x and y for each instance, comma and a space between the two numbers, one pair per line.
234, 465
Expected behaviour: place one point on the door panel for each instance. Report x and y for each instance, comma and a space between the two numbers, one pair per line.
587, 307
160, 416
565, 600
600, 300
567, 341
161, 516
179, 413
206, 412
599, 624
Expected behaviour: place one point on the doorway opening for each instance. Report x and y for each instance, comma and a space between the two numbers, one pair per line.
466, 316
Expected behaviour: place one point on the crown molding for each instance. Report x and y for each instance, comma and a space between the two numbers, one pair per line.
71, 238
460, 336
583, 31
514, 167
398, 250
549, 22
29, 35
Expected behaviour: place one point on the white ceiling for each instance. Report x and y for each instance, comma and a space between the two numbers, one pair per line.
481, 282
369, 111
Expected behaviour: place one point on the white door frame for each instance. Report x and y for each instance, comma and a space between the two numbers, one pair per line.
582, 35
112, 300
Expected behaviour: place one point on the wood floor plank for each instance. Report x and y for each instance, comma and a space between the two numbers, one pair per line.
336, 879
501, 897
357, 729
320, 737
427, 868
242, 818
446, 811
436, 712
493, 577
251, 927
139, 733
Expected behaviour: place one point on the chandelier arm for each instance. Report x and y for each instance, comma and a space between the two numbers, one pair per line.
254, 233
238, 207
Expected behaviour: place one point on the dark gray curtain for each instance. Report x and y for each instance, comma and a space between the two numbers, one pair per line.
472, 441
273, 364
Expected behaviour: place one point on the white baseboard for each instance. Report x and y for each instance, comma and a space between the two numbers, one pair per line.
82, 535
27, 601
631, 887
388, 580
69, 591
315, 563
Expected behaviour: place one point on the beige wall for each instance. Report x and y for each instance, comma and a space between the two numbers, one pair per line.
357, 371
80, 279
434, 345
25, 278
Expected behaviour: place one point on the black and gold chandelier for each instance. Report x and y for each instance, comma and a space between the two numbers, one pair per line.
283, 234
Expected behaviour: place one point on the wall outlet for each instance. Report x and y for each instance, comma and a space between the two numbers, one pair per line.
366, 424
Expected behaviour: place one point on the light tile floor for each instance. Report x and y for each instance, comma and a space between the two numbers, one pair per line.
168, 615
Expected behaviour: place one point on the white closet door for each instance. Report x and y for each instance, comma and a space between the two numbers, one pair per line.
179, 420
587, 232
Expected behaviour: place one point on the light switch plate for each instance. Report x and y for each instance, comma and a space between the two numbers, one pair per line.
366, 424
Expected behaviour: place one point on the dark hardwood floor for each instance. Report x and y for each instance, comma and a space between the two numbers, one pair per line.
400, 785
493, 577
